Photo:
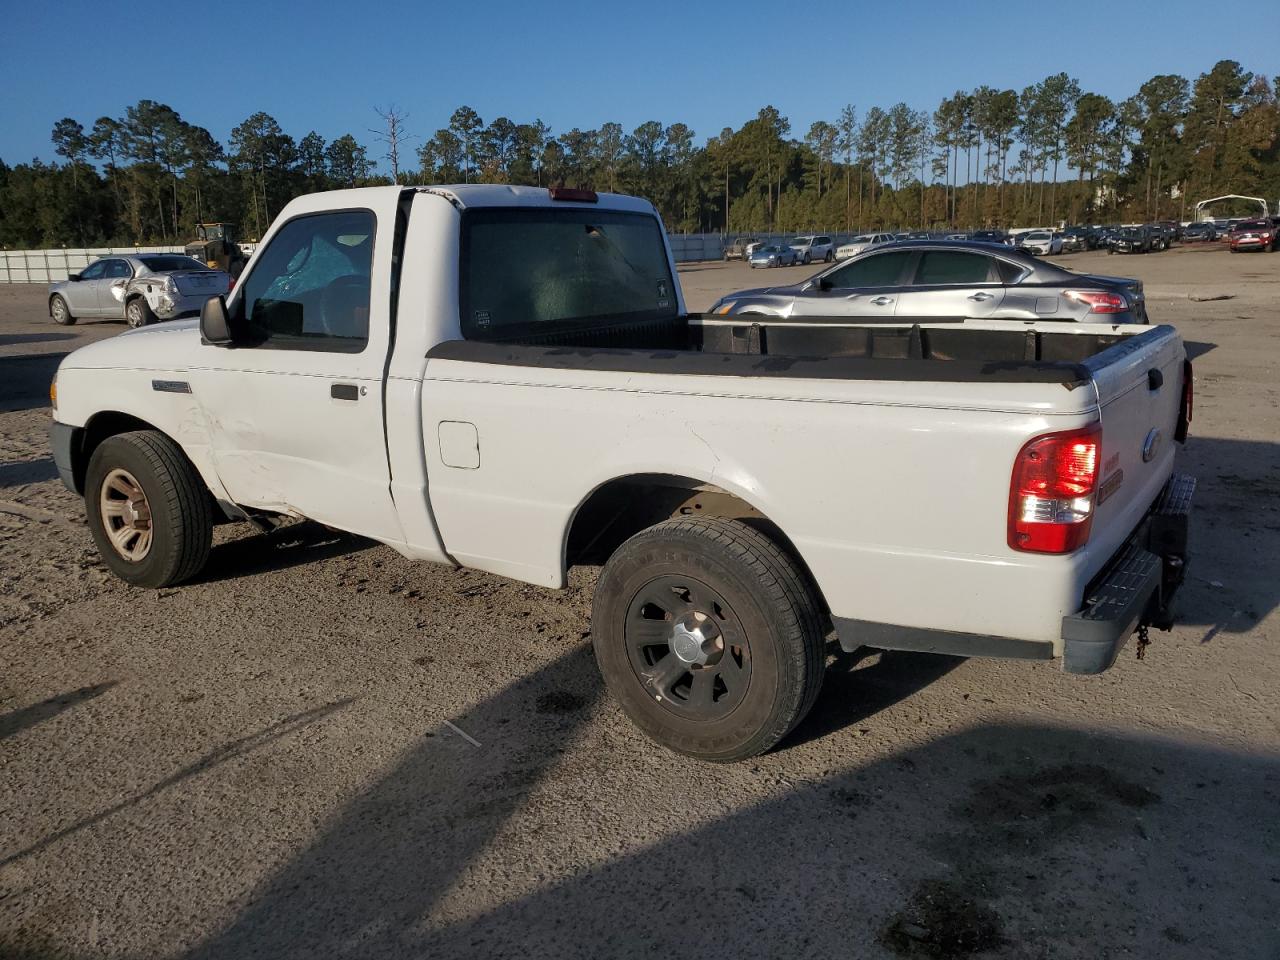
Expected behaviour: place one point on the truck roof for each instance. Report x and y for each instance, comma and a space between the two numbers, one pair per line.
465, 195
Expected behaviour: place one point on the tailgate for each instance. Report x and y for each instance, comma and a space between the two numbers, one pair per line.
1140, 395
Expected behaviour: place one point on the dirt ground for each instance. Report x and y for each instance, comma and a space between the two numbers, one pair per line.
319, 749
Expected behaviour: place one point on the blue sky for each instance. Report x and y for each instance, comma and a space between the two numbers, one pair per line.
325, 64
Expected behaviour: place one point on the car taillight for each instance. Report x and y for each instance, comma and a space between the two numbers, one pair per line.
1098, 301
1188, 402
231, 284
1051, 495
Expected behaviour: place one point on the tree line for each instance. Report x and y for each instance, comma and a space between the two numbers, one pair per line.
985, 157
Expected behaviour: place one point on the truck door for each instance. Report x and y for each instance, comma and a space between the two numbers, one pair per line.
294, 409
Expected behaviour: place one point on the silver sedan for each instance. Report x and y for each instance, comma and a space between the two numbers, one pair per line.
773, 255
931, 281
138, 288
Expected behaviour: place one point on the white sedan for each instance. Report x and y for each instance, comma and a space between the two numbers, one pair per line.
1041, 242
851, 248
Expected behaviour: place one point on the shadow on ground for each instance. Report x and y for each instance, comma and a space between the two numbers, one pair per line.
15, 721
1021, 840
290, 546
27, 471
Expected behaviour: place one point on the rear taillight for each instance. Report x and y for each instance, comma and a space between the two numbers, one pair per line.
1188, 402
1051, 495
1098, 301
231, 284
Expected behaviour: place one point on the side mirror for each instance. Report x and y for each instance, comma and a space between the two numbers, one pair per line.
214, 326
822, 283
73, 277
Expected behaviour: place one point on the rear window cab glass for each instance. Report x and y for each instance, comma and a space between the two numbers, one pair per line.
536, 270
877, 270
311, 286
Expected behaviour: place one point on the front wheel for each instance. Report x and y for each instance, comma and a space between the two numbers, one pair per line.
709, 636
149, 512
60, 312
138, 313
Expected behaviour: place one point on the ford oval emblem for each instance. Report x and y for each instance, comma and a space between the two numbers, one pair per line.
1151, 445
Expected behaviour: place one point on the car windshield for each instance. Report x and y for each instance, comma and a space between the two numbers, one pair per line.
1131, 232
1036, 236
164, 264
859, 240
801, 241
1254, 225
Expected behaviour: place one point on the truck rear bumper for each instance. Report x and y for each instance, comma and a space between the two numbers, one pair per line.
1136, 588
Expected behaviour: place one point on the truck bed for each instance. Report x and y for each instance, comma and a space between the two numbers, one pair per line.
822, 348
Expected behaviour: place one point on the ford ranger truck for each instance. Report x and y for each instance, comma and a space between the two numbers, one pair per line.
506, 379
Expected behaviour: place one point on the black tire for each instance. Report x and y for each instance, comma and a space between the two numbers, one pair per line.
60, 311
138, 313
176, 500
807, 259
831, 255
759, 688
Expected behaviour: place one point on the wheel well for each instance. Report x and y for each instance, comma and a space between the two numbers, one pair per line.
621, 508
99, 428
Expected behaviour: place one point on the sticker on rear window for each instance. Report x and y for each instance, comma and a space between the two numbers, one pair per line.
482, 318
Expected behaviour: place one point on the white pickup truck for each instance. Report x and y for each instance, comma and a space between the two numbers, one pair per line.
505, 378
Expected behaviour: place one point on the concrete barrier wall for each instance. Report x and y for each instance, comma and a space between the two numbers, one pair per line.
50, 266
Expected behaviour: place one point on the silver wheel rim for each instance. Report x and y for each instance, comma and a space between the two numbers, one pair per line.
126, 515
134, 314
59, 309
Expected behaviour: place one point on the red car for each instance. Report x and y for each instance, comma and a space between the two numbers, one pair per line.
1252, 235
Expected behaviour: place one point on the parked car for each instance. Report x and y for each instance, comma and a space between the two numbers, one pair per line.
1173, 228
1075, 240
1040, 242
463, 413
1253, 235
138, 288
740, 248
1199, 232
851, 248
1162, 236
991, 236
773, 255
1131, 240
809, 249
932, 279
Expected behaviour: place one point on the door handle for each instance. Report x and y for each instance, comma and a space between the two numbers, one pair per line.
344, 391
882, 301
979, 296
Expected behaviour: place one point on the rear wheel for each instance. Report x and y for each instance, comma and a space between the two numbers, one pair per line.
149, 513
137, 313
709, 636
60, 312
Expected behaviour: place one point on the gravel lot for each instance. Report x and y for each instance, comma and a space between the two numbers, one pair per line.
320, 749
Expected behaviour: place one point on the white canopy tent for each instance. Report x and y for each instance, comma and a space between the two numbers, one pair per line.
1200, 215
